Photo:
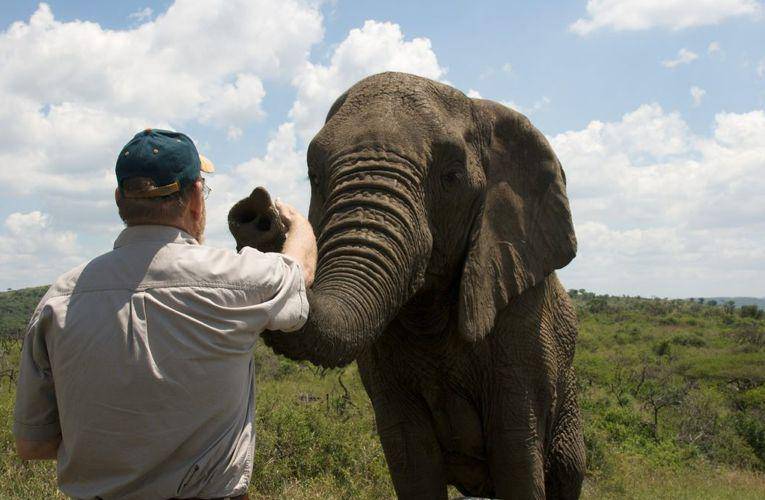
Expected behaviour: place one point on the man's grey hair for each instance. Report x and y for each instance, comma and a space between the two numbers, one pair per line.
159, 210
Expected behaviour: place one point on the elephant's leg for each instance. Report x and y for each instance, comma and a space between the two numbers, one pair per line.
515, 439
414, 459
566, 457
516, 463
408, 439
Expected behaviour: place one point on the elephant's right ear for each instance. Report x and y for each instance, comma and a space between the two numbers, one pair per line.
524, 231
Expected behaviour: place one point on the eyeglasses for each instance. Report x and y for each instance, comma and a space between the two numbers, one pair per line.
205, 188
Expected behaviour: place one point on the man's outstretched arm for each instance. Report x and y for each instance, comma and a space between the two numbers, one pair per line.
301, 242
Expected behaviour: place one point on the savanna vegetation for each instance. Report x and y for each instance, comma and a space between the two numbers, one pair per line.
672, 394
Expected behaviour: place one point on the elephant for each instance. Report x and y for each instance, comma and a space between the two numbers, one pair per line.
440, 222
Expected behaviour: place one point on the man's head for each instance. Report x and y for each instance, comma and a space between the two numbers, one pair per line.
159, 181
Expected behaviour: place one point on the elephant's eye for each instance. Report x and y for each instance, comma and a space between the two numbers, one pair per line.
452, 177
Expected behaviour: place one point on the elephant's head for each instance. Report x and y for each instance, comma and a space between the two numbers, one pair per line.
421, 195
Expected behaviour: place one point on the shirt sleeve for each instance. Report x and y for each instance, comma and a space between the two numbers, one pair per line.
285, 294
36, 411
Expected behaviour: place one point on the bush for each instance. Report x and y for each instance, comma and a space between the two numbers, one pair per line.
751, 311
751, 427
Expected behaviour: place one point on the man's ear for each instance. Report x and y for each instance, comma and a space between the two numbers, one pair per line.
197, 200
116, 195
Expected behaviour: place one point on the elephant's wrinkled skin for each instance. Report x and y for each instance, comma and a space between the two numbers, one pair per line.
441, 220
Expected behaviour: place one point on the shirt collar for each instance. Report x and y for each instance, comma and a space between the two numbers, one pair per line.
151, 233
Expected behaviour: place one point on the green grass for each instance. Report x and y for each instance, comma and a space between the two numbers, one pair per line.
316, 437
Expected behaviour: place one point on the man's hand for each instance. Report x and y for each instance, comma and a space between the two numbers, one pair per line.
301, 242
37, 450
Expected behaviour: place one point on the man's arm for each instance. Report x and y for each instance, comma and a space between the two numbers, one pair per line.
301, 242
36, 426
37, 450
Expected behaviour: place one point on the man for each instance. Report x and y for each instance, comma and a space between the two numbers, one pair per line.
137, 371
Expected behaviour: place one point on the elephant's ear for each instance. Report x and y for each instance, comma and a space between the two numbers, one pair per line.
524, 231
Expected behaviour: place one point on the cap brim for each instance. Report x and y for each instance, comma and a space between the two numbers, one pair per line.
206, 165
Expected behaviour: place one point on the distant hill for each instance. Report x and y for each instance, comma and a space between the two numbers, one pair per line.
17, 306
741, 301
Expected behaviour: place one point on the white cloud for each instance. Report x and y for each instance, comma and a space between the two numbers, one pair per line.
714, 48
684, 56
373, 48
31, 246
660, 210
68, 149
73, 93
170, 67
237, 102
697, 94
631, 15
507, 68
473, 93
141, 14
173, 70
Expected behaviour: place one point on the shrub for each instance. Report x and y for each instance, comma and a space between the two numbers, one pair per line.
751, 427
751, 311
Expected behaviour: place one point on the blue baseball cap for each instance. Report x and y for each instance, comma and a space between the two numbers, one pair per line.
169, 158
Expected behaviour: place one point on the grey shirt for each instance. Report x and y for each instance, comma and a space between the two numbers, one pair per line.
142, 361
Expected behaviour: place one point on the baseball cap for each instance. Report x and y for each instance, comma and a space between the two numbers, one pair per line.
168, 158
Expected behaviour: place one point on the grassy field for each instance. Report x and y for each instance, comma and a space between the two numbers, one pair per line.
672, 395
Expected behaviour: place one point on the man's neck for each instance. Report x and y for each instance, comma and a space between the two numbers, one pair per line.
178, 224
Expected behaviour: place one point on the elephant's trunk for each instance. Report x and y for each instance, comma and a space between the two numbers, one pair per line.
371, 244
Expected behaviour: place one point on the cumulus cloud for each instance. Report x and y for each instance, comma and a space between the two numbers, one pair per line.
373, 48
697, 94
714, 48
72, 92
237, 102
684, 56
632, 15
31, 246
660, 210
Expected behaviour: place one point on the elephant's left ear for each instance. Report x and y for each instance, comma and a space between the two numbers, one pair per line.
525, 230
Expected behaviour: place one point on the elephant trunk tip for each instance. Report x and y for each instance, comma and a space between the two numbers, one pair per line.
255, 222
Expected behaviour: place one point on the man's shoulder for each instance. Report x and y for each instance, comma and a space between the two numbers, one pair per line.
246, 268
214, 266
65, 283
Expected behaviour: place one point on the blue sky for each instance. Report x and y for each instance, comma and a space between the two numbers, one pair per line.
656, 112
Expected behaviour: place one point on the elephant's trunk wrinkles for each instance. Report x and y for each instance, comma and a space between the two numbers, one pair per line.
370, 242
